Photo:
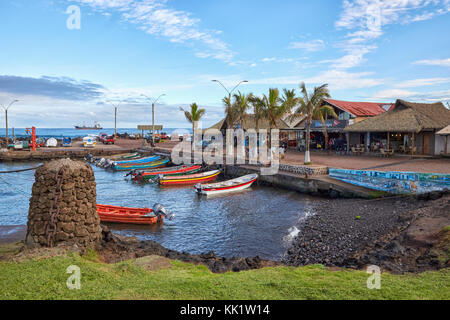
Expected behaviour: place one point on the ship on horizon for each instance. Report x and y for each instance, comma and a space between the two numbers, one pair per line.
96, 126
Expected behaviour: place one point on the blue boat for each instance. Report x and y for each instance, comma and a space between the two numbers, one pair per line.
136, 161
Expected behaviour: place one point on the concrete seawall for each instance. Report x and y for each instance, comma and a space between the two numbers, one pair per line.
315, 185
57, 154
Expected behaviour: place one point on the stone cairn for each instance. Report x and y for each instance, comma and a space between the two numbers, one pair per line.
63, 206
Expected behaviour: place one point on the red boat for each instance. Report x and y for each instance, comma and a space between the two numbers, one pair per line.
128, 215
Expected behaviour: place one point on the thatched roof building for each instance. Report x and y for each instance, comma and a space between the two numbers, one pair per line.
406, 117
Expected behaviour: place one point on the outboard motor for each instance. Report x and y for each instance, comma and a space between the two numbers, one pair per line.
159, 210
131, 173
89, 158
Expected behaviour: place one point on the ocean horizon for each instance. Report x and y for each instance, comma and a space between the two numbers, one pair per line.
74, 133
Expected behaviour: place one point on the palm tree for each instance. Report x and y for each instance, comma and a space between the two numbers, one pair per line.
230, 112
193, 116
240, 106
273, 108
311, 105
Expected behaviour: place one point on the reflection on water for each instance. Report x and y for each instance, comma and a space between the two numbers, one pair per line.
249, 223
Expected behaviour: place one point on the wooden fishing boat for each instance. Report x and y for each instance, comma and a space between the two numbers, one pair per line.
136, 161
189, 179
124, 156
128, 215
139, 166
172, 171
233, 185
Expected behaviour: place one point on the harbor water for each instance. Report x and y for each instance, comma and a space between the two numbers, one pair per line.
258, 221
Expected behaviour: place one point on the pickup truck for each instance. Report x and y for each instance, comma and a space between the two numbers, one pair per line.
108, 140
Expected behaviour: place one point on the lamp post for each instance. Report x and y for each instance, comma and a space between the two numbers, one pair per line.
153, 113
230, 92
116, 107
6, 118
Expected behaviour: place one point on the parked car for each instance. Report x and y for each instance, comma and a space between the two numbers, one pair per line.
108, 140
51, 143
89, 142
102, 136
164, 136
67, 142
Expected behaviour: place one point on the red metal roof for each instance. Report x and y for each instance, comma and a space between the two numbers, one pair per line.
362, 109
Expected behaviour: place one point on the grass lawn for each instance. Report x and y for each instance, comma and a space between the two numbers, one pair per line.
46, 279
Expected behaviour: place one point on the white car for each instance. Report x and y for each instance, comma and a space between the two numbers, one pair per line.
89, 142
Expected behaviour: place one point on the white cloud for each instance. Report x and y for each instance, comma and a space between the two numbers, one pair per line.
337, 80
365, 20
393, 94
422, 82
313, 45
156, 18
435, 62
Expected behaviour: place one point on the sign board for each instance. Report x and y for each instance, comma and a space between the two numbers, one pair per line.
150, 127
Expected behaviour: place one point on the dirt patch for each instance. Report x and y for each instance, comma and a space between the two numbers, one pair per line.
153, 263
24, 253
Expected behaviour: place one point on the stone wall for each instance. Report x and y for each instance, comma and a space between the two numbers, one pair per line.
63, 206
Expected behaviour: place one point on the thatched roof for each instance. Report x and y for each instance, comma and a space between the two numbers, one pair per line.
445, 131
406, 117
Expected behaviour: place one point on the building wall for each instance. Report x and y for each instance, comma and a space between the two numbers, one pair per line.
439, 145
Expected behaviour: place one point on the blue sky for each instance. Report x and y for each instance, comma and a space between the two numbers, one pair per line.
366, 50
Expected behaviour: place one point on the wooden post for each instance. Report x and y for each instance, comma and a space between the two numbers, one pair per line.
413, 144
388, 141
347, 136
446, 143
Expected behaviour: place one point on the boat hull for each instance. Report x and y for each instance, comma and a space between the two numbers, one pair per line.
209, 192
114, 214
188, 179
137, 161
152, 165
145, 176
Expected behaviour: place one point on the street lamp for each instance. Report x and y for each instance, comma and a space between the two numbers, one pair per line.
6, 118
230, 92
116, 106
153, 113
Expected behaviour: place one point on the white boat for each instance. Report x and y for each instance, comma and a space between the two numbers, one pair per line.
228, 186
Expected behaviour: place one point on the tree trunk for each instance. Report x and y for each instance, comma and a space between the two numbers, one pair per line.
307, 141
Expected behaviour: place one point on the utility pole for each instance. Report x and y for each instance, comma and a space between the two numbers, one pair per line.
153, 113
116, 107
6, 118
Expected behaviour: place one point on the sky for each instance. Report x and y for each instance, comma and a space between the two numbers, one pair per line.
69, 62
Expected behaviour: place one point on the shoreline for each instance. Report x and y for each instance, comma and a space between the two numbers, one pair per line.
400, 235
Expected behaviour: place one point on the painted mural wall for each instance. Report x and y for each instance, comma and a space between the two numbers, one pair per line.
394, 182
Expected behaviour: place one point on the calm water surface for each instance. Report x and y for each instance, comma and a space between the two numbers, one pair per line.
254, 222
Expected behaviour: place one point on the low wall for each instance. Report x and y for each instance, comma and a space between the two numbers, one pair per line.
312, 186
57, 154
394, 182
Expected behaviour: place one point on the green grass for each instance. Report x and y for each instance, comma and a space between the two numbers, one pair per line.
46, 279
